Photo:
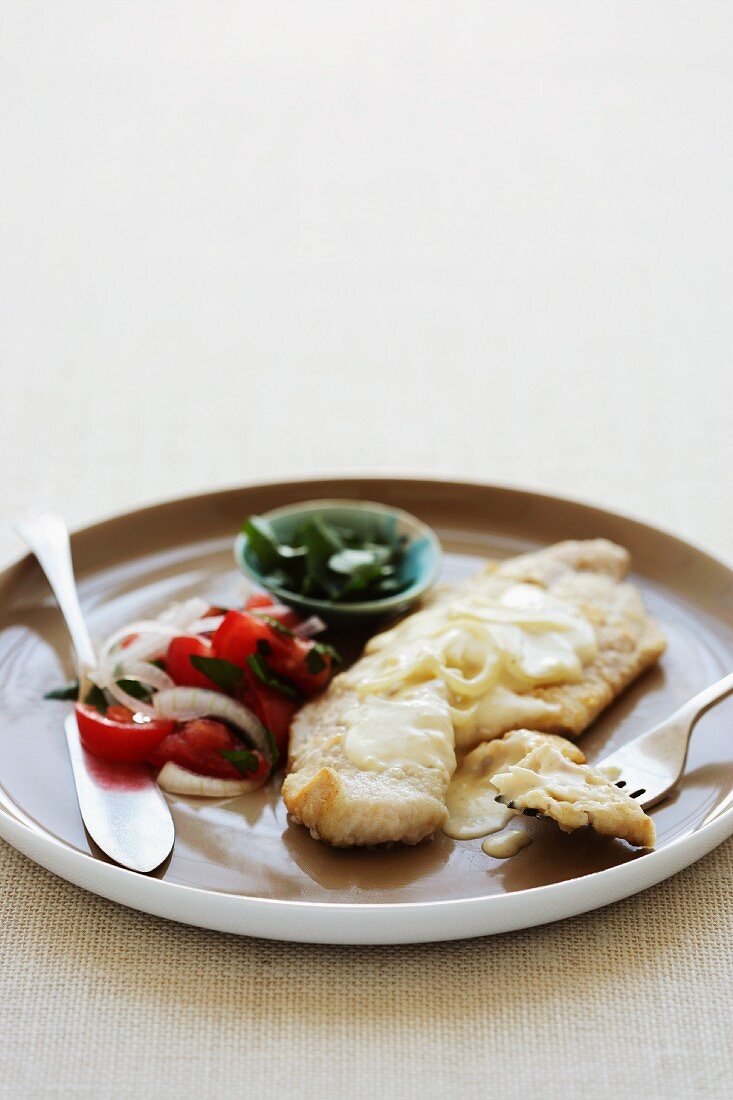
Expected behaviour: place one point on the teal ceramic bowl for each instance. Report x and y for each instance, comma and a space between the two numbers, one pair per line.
419, 567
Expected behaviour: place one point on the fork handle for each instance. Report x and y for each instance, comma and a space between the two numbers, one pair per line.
47, 536
696, 707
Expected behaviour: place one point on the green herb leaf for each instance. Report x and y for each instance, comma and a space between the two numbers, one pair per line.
361, 581
389, 530
284, 564
68, 691
329, 651
315, 662
348, 561
390, 587
96, 698
278, 576
273, 753
322, 542
224, 674
275, 624
324, 559
264, 673
135, 689
243, 760
321, 538
263, 541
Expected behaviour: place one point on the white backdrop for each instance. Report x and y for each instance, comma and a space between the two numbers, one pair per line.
245, 240
240, 241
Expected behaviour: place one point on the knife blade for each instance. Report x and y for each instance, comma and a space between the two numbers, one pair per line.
123, 809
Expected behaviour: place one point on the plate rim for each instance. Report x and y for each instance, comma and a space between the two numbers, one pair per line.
445, 481
365, 922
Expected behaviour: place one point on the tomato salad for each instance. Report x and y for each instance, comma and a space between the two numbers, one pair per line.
204, 694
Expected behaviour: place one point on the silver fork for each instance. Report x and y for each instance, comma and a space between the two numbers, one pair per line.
650, 767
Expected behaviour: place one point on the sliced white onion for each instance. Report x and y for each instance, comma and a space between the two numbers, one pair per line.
154, 633
178, 780
186, 703
146, 673
152, 639
310, 627
109, 683
207, 625
185, 612
140, 627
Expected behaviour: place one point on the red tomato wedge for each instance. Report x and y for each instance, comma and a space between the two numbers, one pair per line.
178, 662
112, 739
239, 637
243, 634
273, 709
260, 601
299, 660
198, 745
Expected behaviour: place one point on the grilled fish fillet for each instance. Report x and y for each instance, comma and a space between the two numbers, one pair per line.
548, 781
346, 805
542, 773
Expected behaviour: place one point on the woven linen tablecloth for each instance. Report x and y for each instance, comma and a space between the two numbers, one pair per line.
246, 241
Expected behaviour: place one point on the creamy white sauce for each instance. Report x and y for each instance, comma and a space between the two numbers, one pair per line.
490, 646
472, 807
507, 844
412, 729
573, 795
462, 672
506, 709
471, 800
546, 771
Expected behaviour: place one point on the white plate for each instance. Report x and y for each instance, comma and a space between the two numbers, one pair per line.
240, 867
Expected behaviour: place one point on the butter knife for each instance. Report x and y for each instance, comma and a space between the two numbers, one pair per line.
121, 806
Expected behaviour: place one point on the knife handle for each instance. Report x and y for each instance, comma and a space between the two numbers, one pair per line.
48, 537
